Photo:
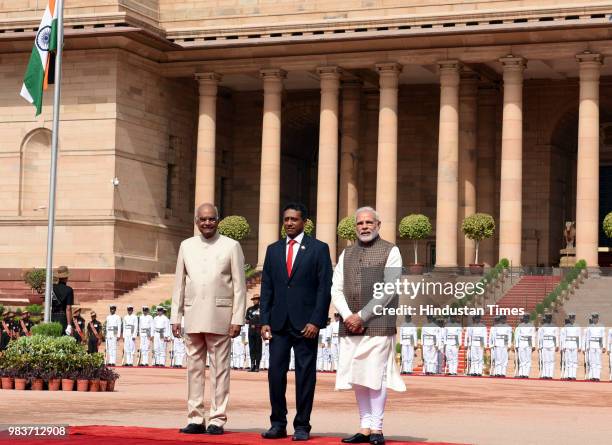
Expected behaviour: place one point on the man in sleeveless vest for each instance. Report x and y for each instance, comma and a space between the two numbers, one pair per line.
367, 337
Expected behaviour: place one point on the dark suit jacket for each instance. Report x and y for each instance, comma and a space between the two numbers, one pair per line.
304, 297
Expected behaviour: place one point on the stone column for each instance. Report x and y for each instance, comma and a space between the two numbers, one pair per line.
487, 166
351, 102
327, 183
386, 167
269, 182
511, 181
468, 114
587, 182
448, 166
207, 123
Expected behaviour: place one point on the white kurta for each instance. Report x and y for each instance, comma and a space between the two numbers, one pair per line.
365, 360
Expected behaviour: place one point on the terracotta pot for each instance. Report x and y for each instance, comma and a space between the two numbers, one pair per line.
54, 384
8, 383
103, 385
94, 385
67, 384
416, 269
476, 269
20, 384
38, 385
82, 384
111, 386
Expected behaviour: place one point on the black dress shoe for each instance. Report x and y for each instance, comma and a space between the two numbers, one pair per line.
377, 439
193, 428
357, 438
300, 435
215, 430
274, 433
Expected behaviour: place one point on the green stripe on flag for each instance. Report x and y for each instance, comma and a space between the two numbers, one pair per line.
34, 78
53, 36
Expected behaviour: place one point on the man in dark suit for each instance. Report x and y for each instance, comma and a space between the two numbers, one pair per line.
295, 298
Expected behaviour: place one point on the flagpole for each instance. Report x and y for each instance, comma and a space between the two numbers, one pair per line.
54, 151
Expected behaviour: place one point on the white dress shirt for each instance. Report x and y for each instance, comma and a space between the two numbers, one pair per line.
296, 247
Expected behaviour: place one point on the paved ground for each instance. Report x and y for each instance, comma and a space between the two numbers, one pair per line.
463, 410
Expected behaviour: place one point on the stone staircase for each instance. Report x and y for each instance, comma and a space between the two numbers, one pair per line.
594, 295
526, 293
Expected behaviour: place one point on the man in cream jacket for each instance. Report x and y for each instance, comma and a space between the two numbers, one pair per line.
210, 292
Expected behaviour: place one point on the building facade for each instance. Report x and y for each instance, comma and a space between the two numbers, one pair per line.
443, 108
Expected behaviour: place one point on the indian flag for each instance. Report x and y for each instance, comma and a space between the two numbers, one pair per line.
37, 76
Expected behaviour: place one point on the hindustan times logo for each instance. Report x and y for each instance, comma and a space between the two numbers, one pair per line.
412, 289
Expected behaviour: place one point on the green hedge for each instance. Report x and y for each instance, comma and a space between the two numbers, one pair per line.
234, 227
347, 229
53, 329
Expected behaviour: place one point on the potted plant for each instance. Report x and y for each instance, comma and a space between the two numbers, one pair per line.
346, 229
7, 376
415, 227
477, 227
108, 376
36, 278
234, 227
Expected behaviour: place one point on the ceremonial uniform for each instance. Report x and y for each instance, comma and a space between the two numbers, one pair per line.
431, 342
265, 355
24, 327
408, 341
524, 343
61, 297
452, 341
161, 335
476, 341
594, 342
178, 348
130, 331
570, 340
255, 342
238, 348
145, 332
548, 342
334, 328
500, 340
80, 327
7, 332
113, 332
94, 336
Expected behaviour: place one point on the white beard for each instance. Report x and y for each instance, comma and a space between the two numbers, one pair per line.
368, 238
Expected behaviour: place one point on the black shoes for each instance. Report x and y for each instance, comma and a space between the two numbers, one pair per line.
194, 428
357, 438
300, 435
274, 433
214, 430
377, 439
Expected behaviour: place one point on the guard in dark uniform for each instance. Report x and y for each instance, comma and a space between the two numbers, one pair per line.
94, 334
252, 318
62, 298
24, 326
6, 330
78, 323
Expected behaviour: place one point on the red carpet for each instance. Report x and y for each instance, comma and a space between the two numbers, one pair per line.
124, 435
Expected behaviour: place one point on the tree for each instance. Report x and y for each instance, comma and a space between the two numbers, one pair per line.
415, 227
234, 227
607, 225
477, 227
347, 228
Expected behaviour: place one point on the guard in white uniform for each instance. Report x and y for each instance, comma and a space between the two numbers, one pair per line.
178, 348
113, 332
548, 344
409, 341
570, 339
524, 345
130, 330
431, 342
335, 341
265, 355
238, 348
452, 341
161, 335
145, 332
476, 342
595, 343
500, 340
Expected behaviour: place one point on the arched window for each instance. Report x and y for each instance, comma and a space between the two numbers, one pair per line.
35, 166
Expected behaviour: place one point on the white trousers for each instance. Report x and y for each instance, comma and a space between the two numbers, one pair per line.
594, 363
430, 357
407, 358
111, 350
320, 357
500, 360
570, 363
159, 350
145, 346
335, 354
524, 361
452, 358
237, 353
129, 347
178, 347
547, 359
265, 356
371, 405
476, 359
